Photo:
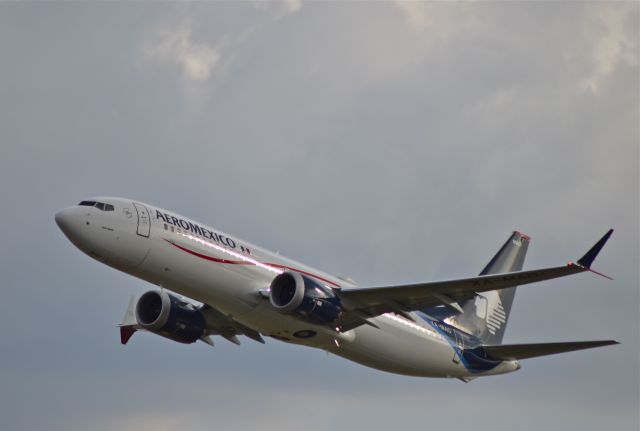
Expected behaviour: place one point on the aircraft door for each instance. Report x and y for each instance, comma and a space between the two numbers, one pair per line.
144, 222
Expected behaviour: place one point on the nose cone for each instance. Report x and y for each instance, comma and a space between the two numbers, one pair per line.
69, 222
61, 219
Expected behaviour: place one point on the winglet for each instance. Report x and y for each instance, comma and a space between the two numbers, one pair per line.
126, 332
129, 323
586, 260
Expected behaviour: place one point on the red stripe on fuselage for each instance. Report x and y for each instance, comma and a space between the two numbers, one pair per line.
243, 262
212, 259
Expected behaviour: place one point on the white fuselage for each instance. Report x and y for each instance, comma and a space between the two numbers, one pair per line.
232, 275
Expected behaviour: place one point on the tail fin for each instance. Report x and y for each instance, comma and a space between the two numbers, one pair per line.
486, 315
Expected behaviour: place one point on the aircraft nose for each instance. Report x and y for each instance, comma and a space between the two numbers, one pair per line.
62, 220
59, 218
68, 221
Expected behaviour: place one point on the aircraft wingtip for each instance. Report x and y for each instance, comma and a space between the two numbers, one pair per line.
126, 332
590, 256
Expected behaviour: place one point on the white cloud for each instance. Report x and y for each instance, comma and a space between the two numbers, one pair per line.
197, 60
613, 46
283, 8
292, 6
416, 13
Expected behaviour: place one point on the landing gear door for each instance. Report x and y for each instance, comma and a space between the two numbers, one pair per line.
144, 222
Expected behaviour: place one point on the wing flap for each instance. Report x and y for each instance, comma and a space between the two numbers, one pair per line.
219, 323
510, 352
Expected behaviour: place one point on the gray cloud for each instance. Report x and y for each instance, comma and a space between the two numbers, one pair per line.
387, 142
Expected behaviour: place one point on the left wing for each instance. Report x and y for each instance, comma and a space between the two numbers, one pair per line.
216, 323
363, 303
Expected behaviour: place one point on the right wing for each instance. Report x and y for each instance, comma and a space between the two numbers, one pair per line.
364, 303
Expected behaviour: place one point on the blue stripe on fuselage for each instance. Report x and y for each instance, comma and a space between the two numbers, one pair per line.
473, 359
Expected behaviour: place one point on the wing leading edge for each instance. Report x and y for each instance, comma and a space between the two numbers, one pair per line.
363, 303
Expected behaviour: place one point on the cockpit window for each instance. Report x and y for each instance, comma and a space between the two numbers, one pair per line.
100, 205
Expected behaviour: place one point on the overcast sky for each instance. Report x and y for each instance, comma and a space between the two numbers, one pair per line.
389, 142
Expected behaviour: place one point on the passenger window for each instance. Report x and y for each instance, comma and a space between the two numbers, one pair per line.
172, 229
166, 227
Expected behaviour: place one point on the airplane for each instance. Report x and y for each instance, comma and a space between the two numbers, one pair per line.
215, 284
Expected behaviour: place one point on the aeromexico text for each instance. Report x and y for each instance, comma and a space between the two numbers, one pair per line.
194, 228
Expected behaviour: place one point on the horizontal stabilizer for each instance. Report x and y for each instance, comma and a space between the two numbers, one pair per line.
510, 352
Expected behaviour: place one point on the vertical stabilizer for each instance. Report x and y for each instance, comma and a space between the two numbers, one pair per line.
486, 315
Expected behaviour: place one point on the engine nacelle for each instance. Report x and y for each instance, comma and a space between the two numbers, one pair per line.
295, 293
168, 316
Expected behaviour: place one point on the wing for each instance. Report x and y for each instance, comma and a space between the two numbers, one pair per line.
364, 303
217, 323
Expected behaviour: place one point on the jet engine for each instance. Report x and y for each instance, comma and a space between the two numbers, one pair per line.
170, 317
302, 296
